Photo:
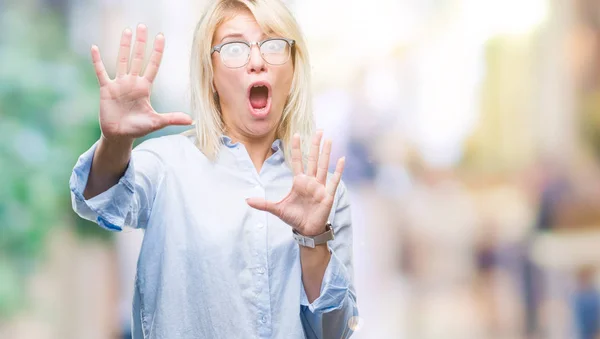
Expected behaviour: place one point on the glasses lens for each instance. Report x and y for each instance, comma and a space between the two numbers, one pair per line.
235, 54
276, 51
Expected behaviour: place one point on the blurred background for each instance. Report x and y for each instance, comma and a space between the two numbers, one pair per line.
472, 135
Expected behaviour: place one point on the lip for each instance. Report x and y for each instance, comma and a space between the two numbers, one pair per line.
263, 112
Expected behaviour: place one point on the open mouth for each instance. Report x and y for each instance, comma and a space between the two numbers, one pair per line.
259, 98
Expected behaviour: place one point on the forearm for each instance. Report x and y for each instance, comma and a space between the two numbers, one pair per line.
314, 262
109, 163
329, 303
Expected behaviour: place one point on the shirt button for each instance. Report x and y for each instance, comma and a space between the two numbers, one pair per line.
261, 270
263, 319
260, 225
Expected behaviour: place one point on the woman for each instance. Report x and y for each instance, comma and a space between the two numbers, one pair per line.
238, 233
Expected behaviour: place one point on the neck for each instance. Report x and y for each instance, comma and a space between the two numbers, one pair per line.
258, 148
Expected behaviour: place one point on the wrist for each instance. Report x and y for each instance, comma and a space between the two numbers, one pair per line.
313, 230
112, 156
114, 143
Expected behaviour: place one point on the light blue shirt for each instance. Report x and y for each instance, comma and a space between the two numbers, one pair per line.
210, 266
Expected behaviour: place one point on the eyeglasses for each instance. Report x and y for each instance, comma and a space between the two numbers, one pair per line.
236, 54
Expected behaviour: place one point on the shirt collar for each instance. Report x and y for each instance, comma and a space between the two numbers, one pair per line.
227, 141
275, 146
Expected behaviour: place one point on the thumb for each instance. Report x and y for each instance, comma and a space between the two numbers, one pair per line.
263, 205
175, 118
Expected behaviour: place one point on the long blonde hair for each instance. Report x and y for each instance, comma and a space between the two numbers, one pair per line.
271, 16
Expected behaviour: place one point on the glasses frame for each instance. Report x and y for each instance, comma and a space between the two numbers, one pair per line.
218, 47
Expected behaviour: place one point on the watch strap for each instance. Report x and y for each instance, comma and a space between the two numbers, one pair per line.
312, 242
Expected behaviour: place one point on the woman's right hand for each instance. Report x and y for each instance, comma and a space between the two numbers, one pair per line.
125, 109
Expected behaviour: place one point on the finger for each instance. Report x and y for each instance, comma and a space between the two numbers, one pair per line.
313, 154
101, 74
263, 205
155, 58
174, 118
324, 162
124, 50
337, 176
139, 49
297, 166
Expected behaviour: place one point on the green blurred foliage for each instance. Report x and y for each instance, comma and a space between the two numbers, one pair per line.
48, 117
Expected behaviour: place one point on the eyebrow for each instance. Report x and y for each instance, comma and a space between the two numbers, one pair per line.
232, 35
241, 36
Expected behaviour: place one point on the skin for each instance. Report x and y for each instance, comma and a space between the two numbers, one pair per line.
256, 134
126, 114
125, 109
307, 205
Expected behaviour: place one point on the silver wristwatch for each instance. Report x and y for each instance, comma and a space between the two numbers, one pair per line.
312, 242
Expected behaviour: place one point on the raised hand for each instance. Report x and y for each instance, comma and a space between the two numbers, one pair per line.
125, 109
307, 206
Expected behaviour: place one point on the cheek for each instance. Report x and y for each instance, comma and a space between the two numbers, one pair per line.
228, 84
285, 82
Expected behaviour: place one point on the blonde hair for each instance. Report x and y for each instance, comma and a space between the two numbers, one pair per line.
271, 16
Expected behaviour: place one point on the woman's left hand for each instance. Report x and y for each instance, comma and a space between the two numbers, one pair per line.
307, 206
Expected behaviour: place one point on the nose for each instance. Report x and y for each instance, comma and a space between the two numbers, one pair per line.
257, 63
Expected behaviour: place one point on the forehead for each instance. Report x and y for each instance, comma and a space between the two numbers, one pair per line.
240, 25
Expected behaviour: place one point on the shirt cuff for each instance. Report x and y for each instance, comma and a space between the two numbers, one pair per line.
109, 208
334, 288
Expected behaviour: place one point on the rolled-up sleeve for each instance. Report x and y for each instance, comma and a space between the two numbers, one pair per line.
126, 204
329, 315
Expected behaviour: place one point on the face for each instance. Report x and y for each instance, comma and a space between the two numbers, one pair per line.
252, 97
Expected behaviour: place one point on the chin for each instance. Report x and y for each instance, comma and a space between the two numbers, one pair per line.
262, 126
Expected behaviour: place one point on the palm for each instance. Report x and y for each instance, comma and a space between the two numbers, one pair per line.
125, 108
308, 204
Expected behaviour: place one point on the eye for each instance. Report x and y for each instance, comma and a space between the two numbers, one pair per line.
234, 49
272, 46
